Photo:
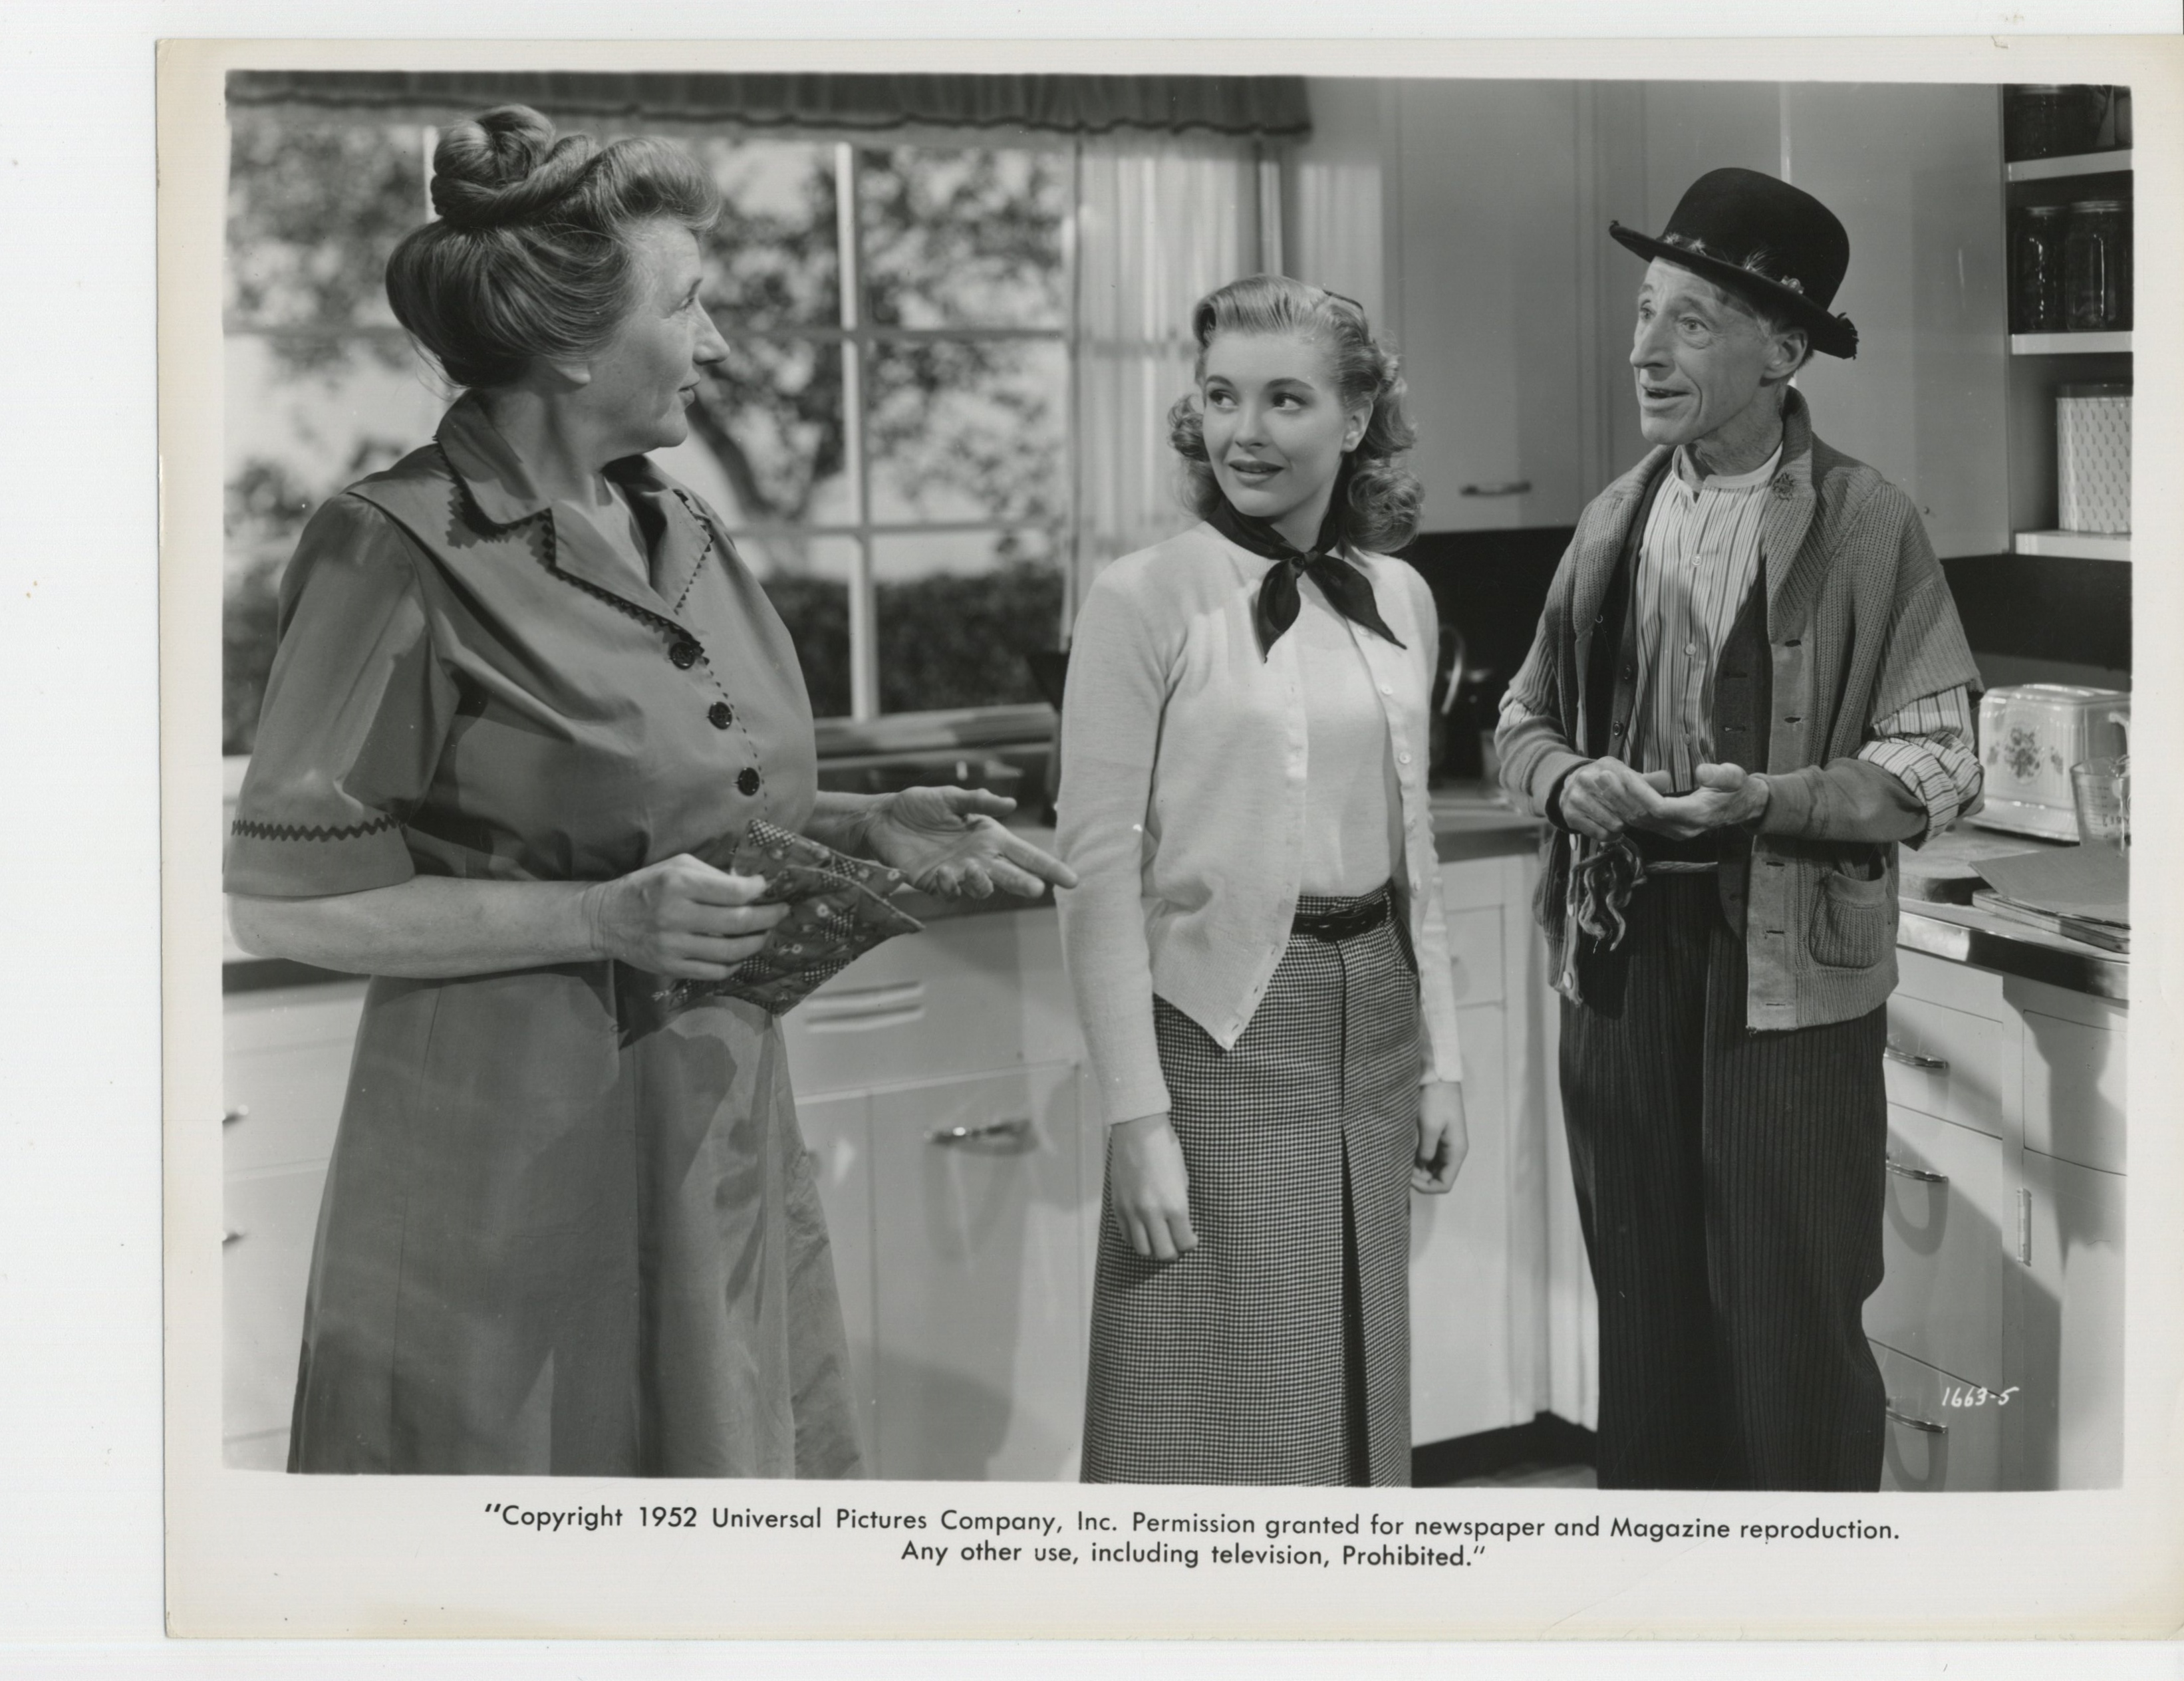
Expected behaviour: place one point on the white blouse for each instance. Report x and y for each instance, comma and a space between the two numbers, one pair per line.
1185, 793
1352, 827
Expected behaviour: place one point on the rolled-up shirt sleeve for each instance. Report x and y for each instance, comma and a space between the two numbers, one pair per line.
1928, 747
356, 712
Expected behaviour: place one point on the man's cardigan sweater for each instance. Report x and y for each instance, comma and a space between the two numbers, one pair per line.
1858, 623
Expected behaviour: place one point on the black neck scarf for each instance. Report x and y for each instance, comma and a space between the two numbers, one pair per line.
1347, 590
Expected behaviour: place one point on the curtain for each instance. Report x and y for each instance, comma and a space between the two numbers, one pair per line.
1259, 108
1156, 230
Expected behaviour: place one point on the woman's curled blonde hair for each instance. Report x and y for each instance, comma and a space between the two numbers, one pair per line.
1383, 496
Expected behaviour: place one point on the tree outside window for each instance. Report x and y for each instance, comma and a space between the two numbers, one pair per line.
888, 442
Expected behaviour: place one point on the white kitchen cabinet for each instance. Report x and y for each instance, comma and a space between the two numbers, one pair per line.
2006, 1269
1479, 183
980, 1305
2069, 1365
1463, 1375
286, 1069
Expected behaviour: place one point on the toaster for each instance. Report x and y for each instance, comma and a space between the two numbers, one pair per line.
2030, 736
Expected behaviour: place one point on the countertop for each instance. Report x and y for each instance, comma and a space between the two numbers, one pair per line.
1474, 821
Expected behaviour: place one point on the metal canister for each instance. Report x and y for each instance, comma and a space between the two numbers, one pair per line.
2036, 270
2097, 285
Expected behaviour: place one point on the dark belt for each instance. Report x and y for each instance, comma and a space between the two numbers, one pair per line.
1343, 925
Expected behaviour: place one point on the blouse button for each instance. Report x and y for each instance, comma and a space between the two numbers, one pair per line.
684, 655
722, 714
1403, 759
747, 783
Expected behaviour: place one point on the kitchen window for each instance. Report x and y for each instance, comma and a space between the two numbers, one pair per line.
953, 350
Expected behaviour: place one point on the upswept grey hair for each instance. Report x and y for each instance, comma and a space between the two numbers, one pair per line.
529, 256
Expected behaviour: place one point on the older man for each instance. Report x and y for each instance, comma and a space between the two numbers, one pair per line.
1748, 685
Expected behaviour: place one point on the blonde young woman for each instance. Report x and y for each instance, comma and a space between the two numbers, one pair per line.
1257, 944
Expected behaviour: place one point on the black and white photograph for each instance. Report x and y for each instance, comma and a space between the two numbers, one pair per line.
795, 899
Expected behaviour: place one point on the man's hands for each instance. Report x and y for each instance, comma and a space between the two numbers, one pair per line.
1728, 796
1605, 797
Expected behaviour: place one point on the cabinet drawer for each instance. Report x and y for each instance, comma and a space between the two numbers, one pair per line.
265, 1262
922, 1007
1943, 1437
1475, 953
1949, 1063
286, 1071
1947, 1247
2074, 1090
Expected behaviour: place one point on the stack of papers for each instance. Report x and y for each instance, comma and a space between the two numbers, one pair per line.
2082, 893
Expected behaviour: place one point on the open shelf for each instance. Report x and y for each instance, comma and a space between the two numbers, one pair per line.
2073, 545
2069, 343
2078, 163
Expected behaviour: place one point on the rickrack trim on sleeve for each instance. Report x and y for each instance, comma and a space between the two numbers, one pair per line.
250, 828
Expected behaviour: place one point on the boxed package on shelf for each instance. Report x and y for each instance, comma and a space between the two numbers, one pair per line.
2093, 458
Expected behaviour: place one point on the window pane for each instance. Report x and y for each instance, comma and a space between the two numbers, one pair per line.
313, 212
970, 238
959, 611
969, 430
807, 579
772, 259
769, 419
293, 437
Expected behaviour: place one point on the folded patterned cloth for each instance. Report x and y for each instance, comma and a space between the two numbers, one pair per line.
837, 912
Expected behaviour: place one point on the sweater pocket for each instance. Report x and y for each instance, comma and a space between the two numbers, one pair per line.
1853, 921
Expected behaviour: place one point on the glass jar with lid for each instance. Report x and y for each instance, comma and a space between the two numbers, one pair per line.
2036, 270
2097, 257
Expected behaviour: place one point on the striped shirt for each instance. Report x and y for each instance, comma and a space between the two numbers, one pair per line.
1697, 560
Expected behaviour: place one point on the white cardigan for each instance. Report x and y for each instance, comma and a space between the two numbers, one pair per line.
1183, 801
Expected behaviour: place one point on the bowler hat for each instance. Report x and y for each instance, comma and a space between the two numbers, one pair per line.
1773, 243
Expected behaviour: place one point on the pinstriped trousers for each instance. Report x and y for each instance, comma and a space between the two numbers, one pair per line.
1731, 1190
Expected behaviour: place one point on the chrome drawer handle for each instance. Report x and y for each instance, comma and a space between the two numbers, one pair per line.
239, 1113
987, 1132
1508, 488
1905, 1170
1914, 1421
1911, 1058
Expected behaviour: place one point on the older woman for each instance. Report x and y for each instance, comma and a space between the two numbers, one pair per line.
1260, 919
523, 676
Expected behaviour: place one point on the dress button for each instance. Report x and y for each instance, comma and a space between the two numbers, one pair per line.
684, 655
747, 780
721, 714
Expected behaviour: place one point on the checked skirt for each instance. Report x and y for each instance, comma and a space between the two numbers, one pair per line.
1277, 1351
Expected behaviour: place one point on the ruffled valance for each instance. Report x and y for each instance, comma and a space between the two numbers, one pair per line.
1259, 107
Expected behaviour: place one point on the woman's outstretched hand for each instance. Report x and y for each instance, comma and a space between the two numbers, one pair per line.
1444, 1140
948, 841
680, 917
1149, 1188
